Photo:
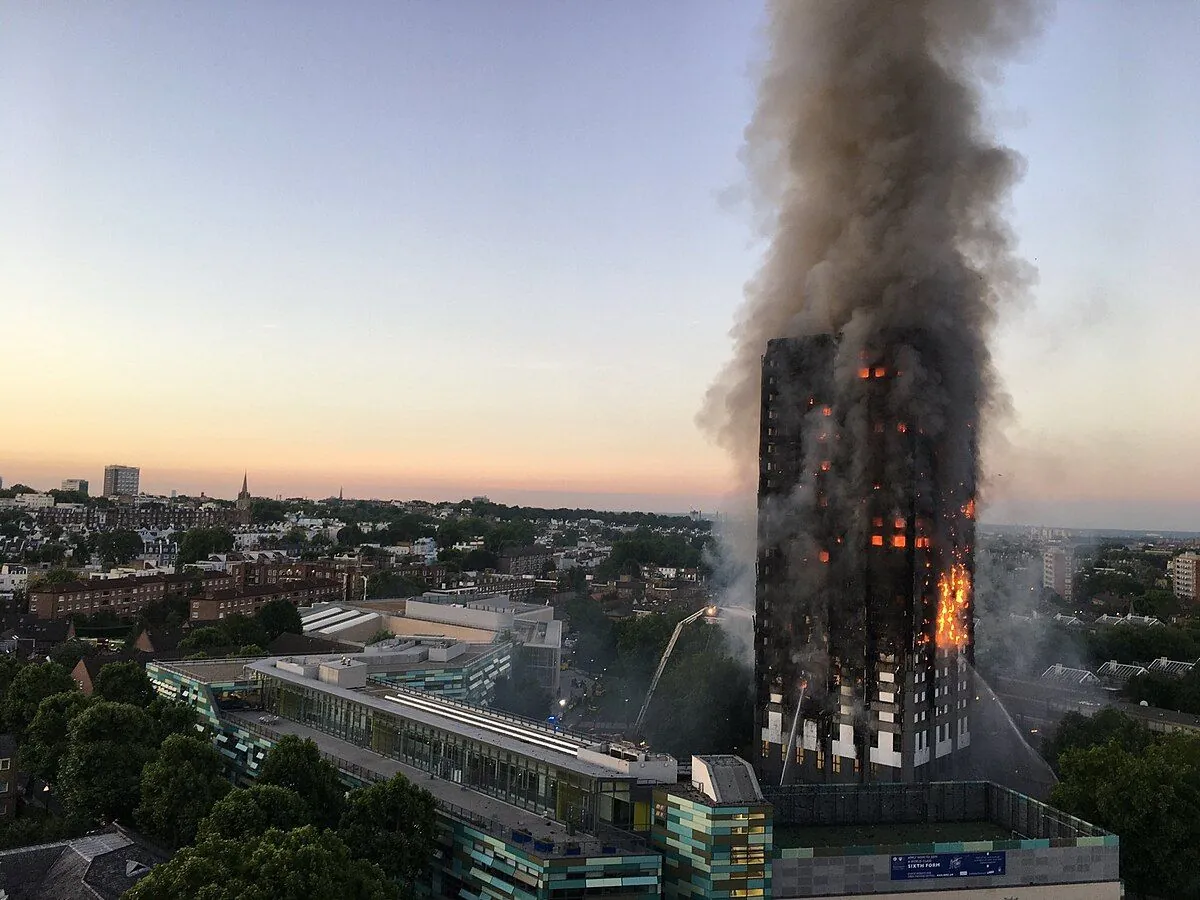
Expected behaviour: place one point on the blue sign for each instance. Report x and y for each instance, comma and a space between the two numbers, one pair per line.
946, 865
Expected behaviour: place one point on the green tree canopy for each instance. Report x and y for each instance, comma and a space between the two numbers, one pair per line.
171, 717
596, 645
243, 629
108, 745
1151, 799
1076, 731
296, 764
205, 638
393, 584
118, 547
278, 616
245, 813
198, 543
69, 653
350, 536
264, 511
179, 788
124, 682
277, 865
30, 686
392, 824
46, 738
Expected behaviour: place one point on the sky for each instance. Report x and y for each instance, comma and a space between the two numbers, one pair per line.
441, 249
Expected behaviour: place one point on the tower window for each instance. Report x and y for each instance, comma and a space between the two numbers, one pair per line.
877, 540
899, 540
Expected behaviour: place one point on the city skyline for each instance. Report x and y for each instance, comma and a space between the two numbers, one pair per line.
296, 250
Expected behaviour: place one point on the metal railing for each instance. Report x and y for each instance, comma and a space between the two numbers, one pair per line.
930, 802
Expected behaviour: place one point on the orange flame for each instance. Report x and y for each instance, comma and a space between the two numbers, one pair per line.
969, 509
954, 593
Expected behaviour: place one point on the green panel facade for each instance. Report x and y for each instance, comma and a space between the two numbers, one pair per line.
711, 850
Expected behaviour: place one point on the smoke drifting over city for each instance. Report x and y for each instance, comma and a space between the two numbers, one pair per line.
888, 263
884, 196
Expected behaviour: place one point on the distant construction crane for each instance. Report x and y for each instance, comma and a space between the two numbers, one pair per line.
662, 663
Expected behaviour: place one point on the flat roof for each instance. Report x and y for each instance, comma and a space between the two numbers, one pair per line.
210, 671
447, 793
475, 723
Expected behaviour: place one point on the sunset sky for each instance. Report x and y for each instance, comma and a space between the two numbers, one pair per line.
436, 249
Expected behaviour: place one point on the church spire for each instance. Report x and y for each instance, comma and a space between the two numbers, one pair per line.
245, 485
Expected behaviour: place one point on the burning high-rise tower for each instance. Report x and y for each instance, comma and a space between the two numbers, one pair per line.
863, 628
861, 371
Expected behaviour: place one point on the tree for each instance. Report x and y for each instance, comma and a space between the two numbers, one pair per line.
281, 865
56, 576
172, 717
245, 813
206, 638
596, 641
30, 686
198, 543
392, 824
69, 653
179, 788
118, 546
108, 745
278, 616
1079, 732
264, 511
392, 584
297, 765
1151, 799
46, 738
124, 682
243, 629
350, 536
478, 560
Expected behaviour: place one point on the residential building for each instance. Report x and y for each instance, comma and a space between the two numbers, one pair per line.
34, 501
1058, 571
121, 481
123, 597
863, 629
101, 865
1185, 575
79, 485
530, 560
153, 515
219, 604
13, 578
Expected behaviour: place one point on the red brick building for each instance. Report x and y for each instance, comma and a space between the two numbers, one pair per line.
123, 597
219, 604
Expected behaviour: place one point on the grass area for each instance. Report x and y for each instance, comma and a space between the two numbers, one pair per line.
878, 835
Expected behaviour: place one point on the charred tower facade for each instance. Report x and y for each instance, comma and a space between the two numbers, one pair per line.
863, 625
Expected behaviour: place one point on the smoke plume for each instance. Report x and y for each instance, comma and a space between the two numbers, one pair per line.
883, 195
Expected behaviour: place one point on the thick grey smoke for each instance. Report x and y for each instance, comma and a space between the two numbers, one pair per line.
883, 193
